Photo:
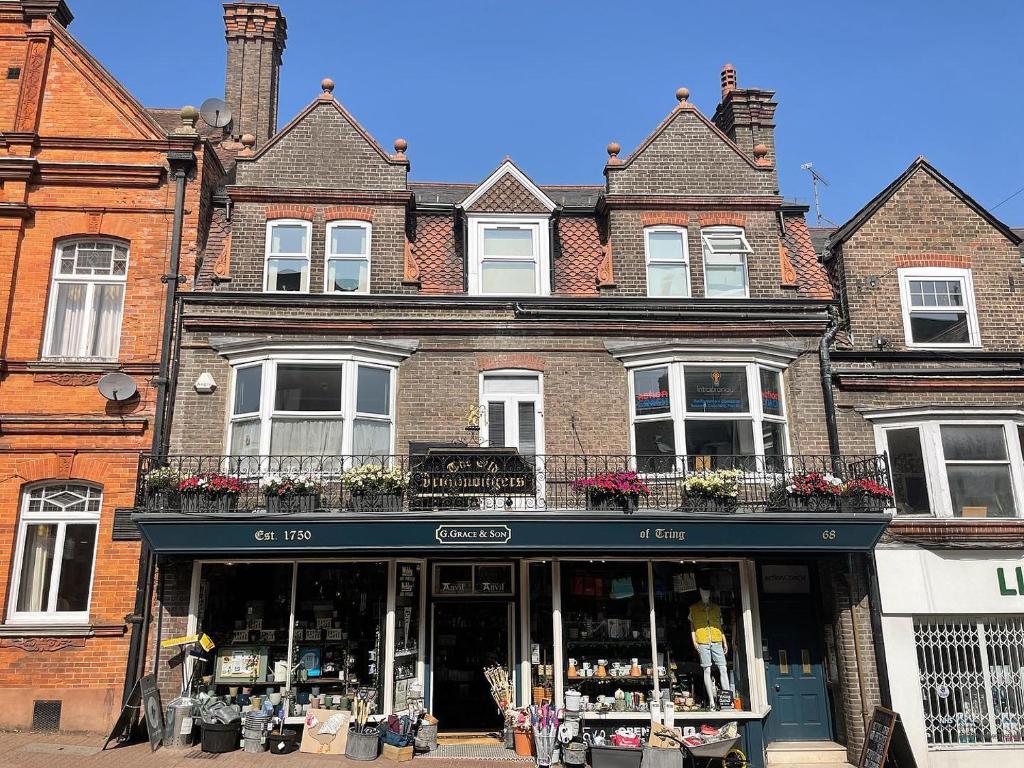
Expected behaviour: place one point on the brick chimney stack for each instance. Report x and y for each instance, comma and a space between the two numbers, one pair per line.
255, 34
747, 116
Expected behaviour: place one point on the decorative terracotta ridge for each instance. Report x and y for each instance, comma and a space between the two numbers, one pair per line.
722, 219
605, 270
665, 218
354, 212
411, 270
289, 211
948, 260
510, 361
222, 266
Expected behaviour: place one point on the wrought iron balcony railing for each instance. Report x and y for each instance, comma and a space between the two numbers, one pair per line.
467, 479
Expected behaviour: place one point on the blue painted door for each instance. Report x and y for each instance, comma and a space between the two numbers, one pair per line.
794, 668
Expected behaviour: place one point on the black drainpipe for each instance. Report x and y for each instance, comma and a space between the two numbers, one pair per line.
180, 162
826, 382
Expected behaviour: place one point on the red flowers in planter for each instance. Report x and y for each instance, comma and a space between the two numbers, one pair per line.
814, 484
865, 488
611, 485
211, 484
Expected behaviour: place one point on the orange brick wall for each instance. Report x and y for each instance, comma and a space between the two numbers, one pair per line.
81, 111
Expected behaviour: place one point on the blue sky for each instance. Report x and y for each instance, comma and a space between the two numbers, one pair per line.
863, 87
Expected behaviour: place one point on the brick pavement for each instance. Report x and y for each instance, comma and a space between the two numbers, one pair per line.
48, 750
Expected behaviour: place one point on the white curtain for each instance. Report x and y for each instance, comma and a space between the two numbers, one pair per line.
36, 567
306, 437
371, 438
109, 301
68, 320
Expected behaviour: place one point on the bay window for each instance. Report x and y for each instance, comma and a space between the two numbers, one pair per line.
725, 262
714, 415
956, 467
668, 263
509, 256
56, 547
86, 301
287, 256
348, 257
312, 407
938, 307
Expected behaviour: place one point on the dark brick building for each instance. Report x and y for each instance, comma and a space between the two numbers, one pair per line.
417, 393
930, 373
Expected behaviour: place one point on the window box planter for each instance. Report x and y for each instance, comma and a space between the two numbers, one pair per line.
612, 490
292, 503
627, 504
200, 503
162, 500
710, 505
377, 502
861, 504
812, 503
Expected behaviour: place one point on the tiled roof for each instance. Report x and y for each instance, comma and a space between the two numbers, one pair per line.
443, 193
508, 195
581, 254
811, 278
437, 254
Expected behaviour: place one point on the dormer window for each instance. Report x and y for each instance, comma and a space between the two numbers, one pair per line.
509, 256
938, 307
287, 256
668, 262
348, 257
725, 262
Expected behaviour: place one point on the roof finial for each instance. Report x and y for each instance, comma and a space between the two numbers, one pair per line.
682, 94
328, 88
613, 152
189, 115
761, 154
400, 146
248, 142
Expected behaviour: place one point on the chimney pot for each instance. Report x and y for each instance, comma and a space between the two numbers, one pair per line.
728, 79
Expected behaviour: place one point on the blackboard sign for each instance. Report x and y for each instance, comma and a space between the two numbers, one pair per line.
886, 744
725, 700
152, 710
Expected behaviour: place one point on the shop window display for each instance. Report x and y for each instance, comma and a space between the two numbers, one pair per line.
245, 608
606, 626
700, 645
407, 633
542, 645
339, 630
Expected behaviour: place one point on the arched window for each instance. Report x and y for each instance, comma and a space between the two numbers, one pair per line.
56, 548
86, 300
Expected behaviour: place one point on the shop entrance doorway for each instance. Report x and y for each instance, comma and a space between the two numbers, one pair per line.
794, 668
469, 635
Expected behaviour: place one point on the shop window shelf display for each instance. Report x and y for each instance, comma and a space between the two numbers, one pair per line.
468, 479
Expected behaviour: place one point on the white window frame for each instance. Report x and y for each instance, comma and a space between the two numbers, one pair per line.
267, 255
707, 238
61, 520
936, 479
542, 257
678, 414
964, 277
365, 256
90, 281
349, 364
648, 259
511, 402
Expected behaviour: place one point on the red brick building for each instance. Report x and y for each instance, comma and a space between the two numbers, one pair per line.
88, 180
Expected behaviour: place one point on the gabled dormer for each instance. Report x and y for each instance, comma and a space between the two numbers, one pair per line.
508, 235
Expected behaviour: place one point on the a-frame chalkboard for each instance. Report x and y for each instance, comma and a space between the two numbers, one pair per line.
885, 743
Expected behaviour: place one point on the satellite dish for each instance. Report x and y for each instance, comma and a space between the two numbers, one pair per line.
116, 386
215, 113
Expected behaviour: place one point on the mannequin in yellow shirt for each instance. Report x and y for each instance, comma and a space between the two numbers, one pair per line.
708, 636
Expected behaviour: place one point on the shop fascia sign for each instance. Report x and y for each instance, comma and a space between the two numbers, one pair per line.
473, 534
1016, 581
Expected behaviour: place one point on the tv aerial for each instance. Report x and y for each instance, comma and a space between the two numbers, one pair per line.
815, 178
215, 113
117, 387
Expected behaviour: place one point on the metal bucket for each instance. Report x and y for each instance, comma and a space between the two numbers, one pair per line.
362, 745
426, 737
179, 725
574, 753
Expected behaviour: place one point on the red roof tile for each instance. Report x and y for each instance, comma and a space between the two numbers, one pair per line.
437, 254
811, 278
581, 254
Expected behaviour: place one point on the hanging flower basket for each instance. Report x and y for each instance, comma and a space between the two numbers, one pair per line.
612, 490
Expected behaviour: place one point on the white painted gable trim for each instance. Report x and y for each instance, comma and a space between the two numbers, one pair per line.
507, 167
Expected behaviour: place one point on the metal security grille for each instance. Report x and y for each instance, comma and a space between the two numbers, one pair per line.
972, 678
45, 715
